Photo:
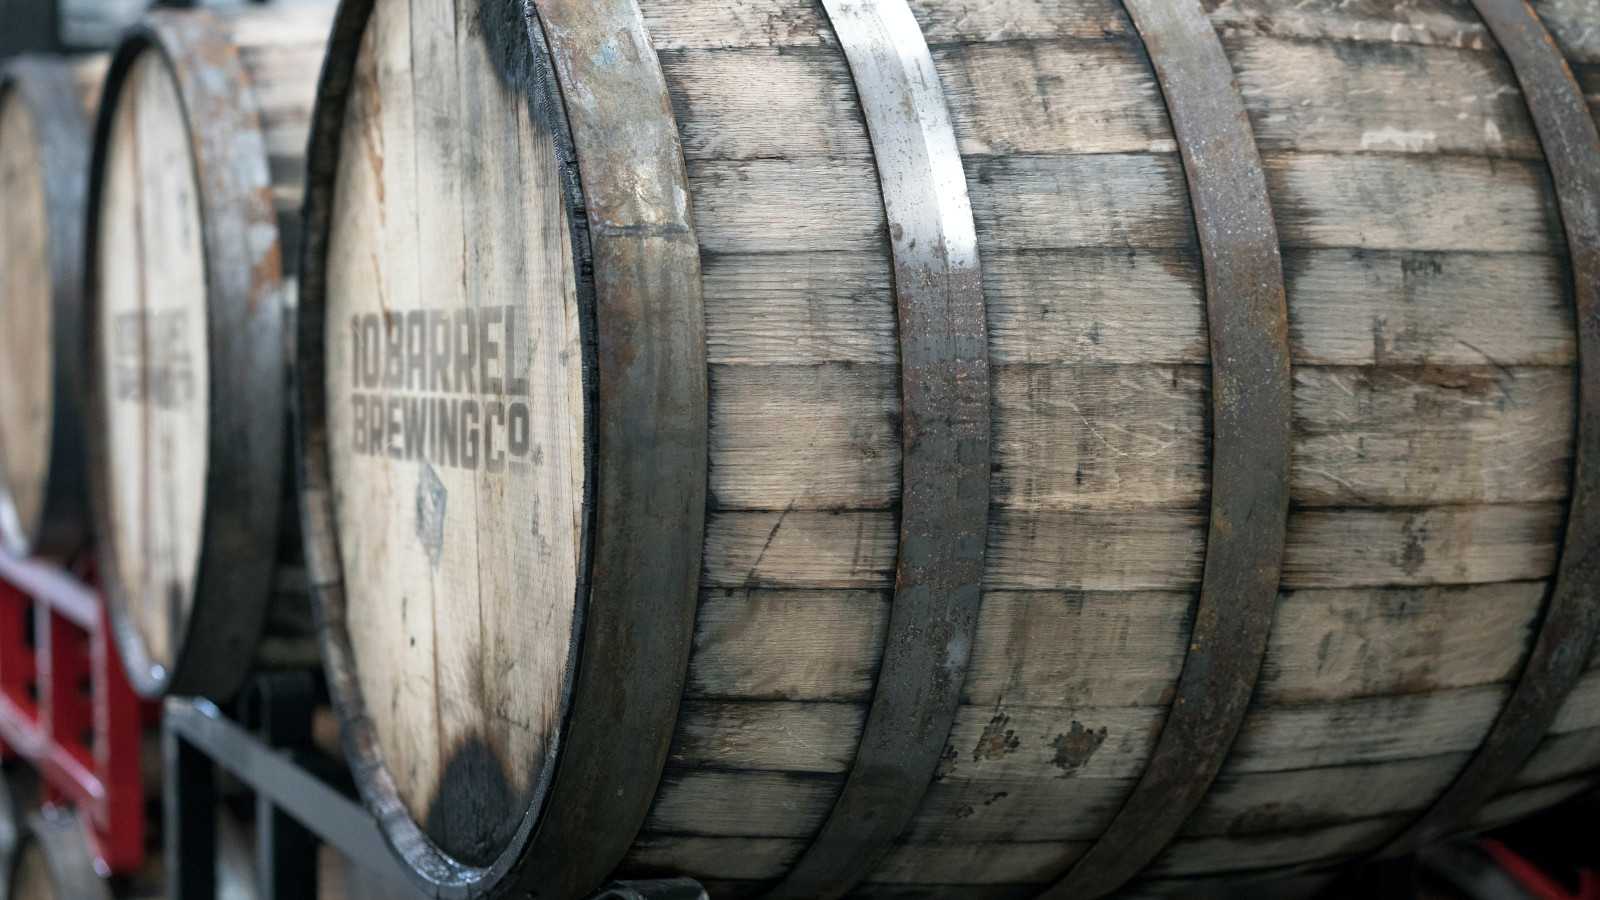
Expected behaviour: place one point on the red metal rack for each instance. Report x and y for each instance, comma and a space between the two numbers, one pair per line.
66, 707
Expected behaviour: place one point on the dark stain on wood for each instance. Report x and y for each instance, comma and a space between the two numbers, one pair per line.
1075, 746
477, 809
997, 740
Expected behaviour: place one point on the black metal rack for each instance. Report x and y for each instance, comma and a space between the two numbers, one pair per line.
299, 802
302, 799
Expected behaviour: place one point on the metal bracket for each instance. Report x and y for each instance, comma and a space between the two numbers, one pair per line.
296, 807
296, 810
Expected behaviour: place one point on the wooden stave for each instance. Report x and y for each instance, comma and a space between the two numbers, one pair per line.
250, 545
1247, 318
62, 96
732, 846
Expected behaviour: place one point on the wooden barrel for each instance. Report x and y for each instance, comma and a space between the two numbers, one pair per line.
45, 107
13, 805
949, 447
195, 192
53, 861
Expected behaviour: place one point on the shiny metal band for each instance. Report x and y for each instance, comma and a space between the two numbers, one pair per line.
1572, 615
945, 413
1251, 388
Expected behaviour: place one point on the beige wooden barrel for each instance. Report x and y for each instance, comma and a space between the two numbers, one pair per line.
678, 503
194, 204
45, 110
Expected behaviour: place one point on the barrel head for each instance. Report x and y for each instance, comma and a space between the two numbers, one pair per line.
456, 394
153, 357
186, 357
27, 392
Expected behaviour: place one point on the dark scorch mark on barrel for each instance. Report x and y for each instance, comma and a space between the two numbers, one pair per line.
431, 502
476, 811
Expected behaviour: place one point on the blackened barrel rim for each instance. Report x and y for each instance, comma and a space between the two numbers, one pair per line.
1571, 617
1247, 318
46, 86
214, 645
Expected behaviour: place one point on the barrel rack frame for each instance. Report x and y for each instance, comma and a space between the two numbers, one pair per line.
84, 744
302, 799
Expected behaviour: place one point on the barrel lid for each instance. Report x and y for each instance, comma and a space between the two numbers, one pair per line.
27, 391
455, 385
152, 321
186, 358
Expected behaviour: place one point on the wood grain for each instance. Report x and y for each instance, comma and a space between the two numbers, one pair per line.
1432, 23
1414, 99
27, 296
155, 354
462, 578
1434, 350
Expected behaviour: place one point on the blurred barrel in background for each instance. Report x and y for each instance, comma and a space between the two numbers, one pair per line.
952, 447
46, 105
194, 202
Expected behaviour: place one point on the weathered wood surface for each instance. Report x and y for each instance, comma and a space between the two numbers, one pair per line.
1433, 428
27, 394
462, 573
190, 292
153, 314
45, 110
1434, 347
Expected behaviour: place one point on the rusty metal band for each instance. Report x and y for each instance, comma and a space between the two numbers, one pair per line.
1571, 618
1251, 394
248, 391
48, 87
944, 362
594, 77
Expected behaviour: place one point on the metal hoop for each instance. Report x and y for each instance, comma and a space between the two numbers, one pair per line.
944, 357
1251, 388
